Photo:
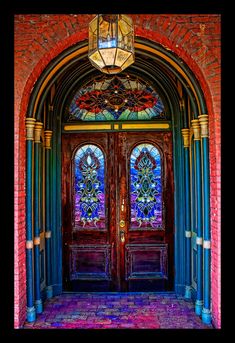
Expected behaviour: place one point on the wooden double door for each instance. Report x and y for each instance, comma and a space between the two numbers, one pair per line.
117, 199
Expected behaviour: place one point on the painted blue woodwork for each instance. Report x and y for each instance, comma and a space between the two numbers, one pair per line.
187, 226
193, 220
29, 263
53, 177
40, 159
199, 301
48, 226
29, 234
194, 265
193, 193
206, 314
31, 314
38, 302
206, 188
57, 289
42, 269
179, 211
36, 190
55, 213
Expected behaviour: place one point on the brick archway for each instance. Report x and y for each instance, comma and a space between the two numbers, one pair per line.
194, 38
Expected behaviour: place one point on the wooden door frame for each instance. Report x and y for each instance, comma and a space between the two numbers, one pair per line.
179, 218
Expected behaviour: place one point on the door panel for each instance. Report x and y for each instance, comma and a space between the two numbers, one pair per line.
87, 222
147, 261
89, 262
147, 253
117, 236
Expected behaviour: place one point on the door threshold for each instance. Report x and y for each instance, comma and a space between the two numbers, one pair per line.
150, 292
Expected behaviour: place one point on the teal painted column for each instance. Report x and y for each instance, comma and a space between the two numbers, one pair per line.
37, 142
198, 177
49, 289
57, 144
30, 312
54, 200
188, 234
206, 311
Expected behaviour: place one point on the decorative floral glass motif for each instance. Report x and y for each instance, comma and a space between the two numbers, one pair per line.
116, 98
89, 196
146, 187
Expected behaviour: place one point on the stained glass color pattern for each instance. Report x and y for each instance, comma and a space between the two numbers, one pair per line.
116, 98
89, 192
146, 187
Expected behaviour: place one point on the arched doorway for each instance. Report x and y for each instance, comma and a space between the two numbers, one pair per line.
184, 102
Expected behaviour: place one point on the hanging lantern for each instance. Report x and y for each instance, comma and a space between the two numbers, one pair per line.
111, 42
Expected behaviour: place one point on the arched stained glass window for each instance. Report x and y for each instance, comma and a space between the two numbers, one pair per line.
89, 187
145, 187
124, 97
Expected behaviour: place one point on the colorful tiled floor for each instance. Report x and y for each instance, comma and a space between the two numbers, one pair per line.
117, 311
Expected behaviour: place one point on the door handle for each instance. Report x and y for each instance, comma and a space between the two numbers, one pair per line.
122, 236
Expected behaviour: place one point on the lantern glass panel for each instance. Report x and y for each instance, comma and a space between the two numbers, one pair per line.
111, 42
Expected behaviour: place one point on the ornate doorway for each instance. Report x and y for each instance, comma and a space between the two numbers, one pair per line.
117, 205
67, 108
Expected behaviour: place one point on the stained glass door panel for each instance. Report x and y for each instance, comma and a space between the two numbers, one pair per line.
146, 206
146, 187
117, 211
89, 187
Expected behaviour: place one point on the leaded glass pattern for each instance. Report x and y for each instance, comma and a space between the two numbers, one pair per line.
89, 192
116, 98
145, 187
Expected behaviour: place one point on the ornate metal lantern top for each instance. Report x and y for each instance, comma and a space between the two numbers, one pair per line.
111, 42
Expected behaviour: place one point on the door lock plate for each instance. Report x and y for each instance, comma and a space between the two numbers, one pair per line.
122, 236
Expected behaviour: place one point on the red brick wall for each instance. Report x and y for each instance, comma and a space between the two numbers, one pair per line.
19, 219
194, 38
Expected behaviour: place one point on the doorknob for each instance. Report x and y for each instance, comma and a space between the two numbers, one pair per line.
122, 236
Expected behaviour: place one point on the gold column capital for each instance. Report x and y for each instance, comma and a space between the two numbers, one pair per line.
204, 121
47, 136
37, 131
30, 123
196, 129
185, 134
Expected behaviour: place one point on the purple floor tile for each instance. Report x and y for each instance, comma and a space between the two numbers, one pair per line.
119, 311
